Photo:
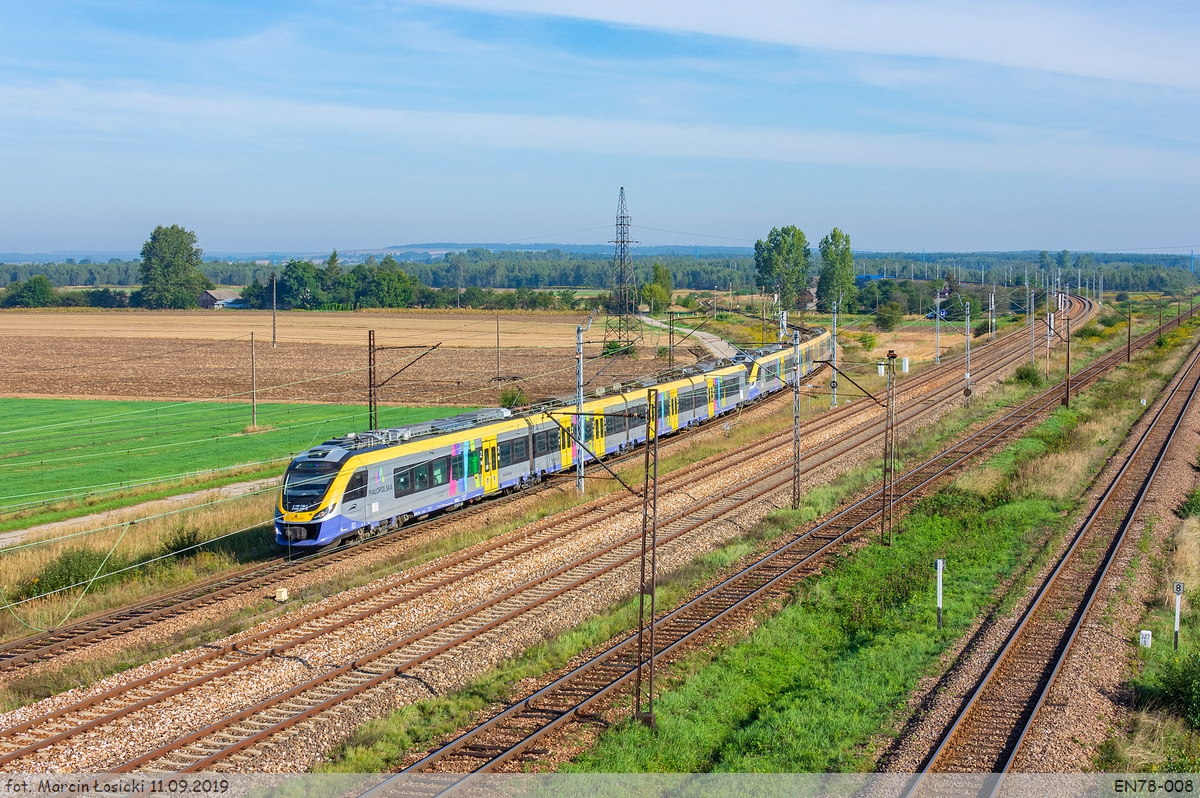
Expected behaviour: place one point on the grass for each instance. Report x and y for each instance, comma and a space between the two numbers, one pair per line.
65, 457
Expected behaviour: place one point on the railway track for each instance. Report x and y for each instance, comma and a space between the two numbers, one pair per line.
53, 643
277, 712
513, 732
991, 726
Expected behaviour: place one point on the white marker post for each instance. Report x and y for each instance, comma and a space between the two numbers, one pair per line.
1178, 599
941, 567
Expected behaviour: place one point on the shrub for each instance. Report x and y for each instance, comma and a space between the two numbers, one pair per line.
1088, 331
1180, 683
72, 567
1029, 374
513, 396
611, 349
1123, 296
983, 328
1111, 319
181, 538
1191, 506
867, 340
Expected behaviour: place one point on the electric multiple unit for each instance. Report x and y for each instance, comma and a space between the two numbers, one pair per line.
367, 482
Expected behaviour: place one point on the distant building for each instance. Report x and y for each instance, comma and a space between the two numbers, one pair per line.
220, 298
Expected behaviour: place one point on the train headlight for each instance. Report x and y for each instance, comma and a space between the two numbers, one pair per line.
323, 513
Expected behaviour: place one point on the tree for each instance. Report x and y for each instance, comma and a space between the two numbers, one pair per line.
1064, 260
332, 273
889, 316
783, 262
170, 269
36, 292
299, 285
837, 271
1044, 261
256, 295
661, 275
654, 295
389, 288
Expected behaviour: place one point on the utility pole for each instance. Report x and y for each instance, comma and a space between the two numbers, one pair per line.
649, 567
1029, 317
833, 356
579, 425
497, 347
937, 326
992, 314
372, 410
1128, 329
1049, 332
886, 516
796, 421
967, 335
1067, 395
273, 281
670, 341
253, 387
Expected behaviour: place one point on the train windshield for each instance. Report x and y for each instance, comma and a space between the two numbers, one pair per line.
305, 484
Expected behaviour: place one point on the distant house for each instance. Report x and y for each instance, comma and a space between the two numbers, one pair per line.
220, 298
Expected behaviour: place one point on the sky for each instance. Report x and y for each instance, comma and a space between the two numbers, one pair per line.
306, 126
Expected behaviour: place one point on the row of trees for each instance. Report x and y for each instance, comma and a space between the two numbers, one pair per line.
784, 265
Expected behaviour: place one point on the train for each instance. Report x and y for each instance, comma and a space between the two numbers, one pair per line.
365, 483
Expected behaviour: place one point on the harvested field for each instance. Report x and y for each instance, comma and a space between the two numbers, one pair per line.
322, 357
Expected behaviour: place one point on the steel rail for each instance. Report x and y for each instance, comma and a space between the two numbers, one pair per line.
718, 498
616, 658
144, 703
46, 645
270, 730
975, 711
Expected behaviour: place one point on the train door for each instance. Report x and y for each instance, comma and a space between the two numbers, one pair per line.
597, 444
566, 447
354, 500
490, 465
712, 396
673, 408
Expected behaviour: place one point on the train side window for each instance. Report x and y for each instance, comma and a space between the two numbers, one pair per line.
473, 463
456, 466
440, 471
519, 450
357, 487
402, 478
421, 477
540, 445
506, 454
587, 428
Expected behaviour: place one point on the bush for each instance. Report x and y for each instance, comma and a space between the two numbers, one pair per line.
983, 328
1180, 683
181, 538
513, 396
889, 316
868, 341
1191, 506
1088, 331
1029, 374
1123, 296
72, 567
1111, 319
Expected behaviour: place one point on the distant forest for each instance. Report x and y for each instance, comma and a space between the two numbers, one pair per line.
486, 269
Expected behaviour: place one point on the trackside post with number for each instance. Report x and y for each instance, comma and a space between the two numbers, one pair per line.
1178, 599
941, 567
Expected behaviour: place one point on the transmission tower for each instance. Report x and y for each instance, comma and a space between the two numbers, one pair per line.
622, 330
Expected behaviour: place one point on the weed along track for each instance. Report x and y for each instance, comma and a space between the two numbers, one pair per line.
577, 695
915, 395
427, 628
989, 731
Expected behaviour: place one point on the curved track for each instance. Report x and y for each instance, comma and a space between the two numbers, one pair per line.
47, 645
990, 728
217, 743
